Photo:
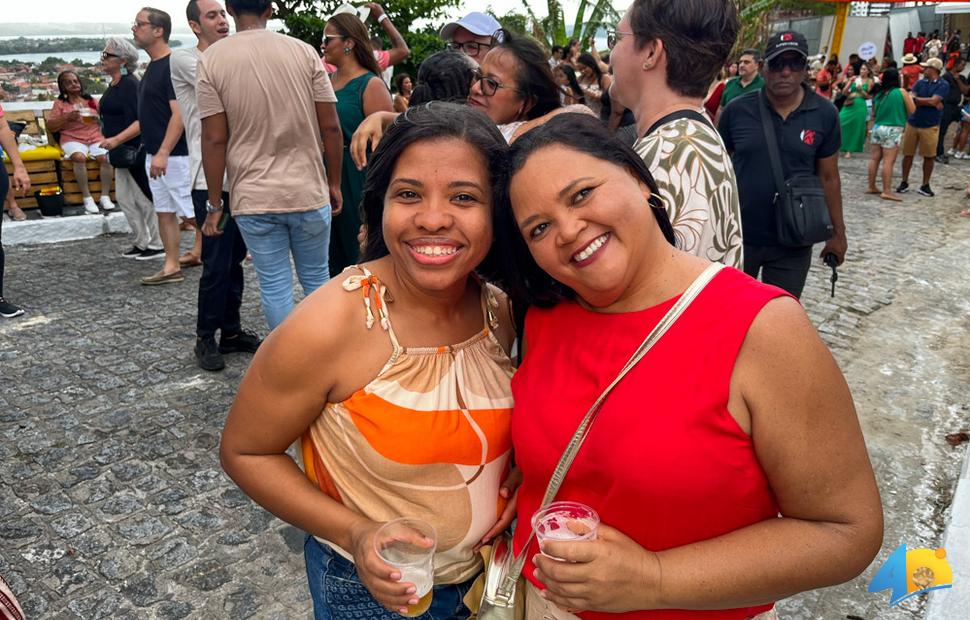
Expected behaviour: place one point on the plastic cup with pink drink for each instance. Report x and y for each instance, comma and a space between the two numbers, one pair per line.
565, 521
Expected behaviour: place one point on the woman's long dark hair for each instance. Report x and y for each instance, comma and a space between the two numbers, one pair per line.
63, 96
443, 76
399, 82
521, 277
350, 27
432, 121
587, 59
570, 73
534, 77
889, 82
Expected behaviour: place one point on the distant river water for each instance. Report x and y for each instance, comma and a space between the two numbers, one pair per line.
88, 57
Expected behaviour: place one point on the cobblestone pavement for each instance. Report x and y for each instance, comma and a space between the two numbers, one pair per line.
113, 504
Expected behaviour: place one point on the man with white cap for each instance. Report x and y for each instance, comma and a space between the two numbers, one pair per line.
471, 35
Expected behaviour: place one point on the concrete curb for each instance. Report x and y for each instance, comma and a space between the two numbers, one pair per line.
954, 602
58, 229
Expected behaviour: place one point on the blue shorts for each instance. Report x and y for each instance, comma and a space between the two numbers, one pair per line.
338, 593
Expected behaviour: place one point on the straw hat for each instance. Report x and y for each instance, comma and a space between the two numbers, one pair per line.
909, 59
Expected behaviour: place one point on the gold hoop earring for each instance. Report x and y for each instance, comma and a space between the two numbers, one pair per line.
647, 66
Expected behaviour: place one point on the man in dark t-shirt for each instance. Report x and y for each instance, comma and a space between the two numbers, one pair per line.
951, 105
162, 134
808, 133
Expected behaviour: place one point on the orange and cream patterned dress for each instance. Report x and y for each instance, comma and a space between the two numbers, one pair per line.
429, 437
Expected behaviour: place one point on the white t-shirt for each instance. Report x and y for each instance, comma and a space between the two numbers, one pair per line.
183, 63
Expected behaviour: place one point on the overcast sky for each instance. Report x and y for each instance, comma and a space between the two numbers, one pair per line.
46, 11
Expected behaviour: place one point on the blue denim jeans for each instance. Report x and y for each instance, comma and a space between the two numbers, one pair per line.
271, 238
338, 593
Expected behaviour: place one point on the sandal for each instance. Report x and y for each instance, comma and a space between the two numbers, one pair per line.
16, 214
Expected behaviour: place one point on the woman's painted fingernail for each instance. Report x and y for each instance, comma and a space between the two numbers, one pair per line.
411, 590
413, 601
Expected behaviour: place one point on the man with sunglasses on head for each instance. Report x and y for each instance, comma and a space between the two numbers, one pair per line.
471, 35
809, 135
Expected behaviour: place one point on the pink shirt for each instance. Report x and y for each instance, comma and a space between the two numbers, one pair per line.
78, 131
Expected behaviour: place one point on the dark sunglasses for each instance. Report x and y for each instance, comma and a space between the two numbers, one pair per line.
328, 39
795, 63
489, 85
472, 48
106, 56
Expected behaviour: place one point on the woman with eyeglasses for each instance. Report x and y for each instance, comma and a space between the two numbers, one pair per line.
360, 92
119, 124
514, 86
75, 118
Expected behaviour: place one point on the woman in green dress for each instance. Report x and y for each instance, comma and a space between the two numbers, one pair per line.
360, 92
855, 113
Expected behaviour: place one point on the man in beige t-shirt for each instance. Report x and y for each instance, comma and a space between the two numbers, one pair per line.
265, 104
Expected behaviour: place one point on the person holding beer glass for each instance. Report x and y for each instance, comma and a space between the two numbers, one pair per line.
395, 378
75, 116
727, 469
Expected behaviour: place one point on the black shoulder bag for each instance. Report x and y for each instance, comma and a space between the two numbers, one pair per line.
125, 155
801, 213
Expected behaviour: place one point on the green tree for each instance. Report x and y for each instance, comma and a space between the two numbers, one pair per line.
756, 15
50, 63
304, 20
554, 28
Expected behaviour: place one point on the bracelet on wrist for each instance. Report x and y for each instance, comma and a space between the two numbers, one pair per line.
382, 18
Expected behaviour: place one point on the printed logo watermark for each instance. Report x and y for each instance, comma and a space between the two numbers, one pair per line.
912, 572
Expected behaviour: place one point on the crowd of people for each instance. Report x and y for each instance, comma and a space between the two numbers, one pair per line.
480, 253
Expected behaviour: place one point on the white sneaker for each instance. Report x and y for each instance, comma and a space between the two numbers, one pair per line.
960, 155
952, 153
90, 206
106, 203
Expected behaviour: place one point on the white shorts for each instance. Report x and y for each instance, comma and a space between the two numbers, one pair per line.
90, 151
172, 192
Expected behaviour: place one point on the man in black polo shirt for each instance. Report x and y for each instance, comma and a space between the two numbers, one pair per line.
809, 135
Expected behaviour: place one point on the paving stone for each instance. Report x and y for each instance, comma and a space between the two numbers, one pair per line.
174, 610
71, 524
143, 529
206, 575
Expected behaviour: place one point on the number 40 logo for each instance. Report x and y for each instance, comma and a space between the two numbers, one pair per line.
913, 572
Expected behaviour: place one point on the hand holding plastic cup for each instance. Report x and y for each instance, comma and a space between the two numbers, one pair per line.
409, 546
565, 521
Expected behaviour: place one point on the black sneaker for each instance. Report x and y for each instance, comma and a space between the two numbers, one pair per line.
924, 190
133, 252
150, 254
243, 342
8, 310
942, 159
207, 354
902, 188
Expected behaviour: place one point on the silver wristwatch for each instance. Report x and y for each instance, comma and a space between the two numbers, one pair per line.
211, 208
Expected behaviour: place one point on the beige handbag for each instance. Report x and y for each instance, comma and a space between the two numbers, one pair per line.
498, 591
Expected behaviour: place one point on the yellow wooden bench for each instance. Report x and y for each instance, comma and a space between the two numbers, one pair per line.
47, 167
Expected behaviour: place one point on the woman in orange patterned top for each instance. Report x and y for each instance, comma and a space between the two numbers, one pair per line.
395, 377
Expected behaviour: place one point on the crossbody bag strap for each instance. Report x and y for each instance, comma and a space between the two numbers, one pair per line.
579, 437
773, 155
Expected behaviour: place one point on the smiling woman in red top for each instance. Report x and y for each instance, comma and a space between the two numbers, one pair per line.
728, 467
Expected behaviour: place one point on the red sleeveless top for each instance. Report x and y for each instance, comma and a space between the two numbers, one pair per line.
664, 461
